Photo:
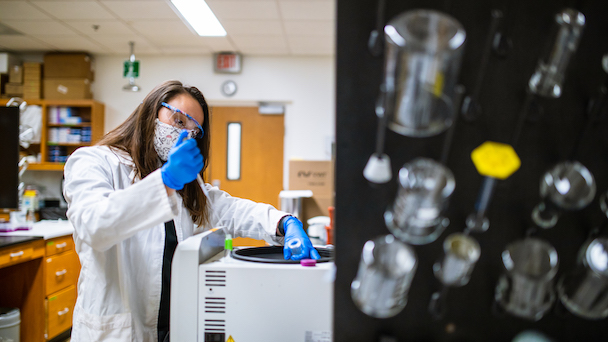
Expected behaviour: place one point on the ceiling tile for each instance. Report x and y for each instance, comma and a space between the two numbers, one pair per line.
185, 50
162, 41
20, 10
270, 42
72, 43
40, 27
24, 43
217, 44
141, 9
311, 45
258, 51
120, 43
307, 10
104, 27
168, 27
228, 9
239, 27
309, 27
77, 10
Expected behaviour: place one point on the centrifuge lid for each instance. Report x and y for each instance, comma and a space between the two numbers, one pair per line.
274, 255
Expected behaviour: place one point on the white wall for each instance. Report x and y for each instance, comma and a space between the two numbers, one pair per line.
307, 85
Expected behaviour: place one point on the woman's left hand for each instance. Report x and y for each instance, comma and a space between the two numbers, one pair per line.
296, 236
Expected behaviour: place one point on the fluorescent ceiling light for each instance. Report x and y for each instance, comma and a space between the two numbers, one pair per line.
200, 17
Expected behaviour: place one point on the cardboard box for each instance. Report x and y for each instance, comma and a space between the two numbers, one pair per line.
15, 74
67, 88
317, 176
314, 175
315, 206
32, 92
32, 71
13, 89
67, 65
32, 80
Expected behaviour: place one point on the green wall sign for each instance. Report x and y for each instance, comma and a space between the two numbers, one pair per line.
131, 69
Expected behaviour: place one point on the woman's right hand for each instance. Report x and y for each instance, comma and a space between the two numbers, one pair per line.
184, 163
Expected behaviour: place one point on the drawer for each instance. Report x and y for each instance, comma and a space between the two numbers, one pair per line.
59, 310
59, 245
20, 253
61, 271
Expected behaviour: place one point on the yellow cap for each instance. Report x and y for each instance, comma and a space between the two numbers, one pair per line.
495, 160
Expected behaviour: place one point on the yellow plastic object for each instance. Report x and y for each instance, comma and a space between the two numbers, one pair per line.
495, 160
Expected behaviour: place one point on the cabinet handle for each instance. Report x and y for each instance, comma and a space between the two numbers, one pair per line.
17, 254
61, 245
63, 312
60, 273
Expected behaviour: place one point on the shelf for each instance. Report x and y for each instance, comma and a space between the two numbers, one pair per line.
3, 102
70, 103
45, 167
84, 124
91, 112
68, 144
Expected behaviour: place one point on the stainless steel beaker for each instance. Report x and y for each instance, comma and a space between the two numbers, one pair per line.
386, 270
415, 216
585, 291
526, 288
461, 252
423, 55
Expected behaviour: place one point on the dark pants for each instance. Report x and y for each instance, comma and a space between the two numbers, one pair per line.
163, 312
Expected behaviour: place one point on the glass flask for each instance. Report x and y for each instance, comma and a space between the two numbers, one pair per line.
423, 56
386, 270
567, 186
548, 78
526, 288
585, 291
461, 252
415, 216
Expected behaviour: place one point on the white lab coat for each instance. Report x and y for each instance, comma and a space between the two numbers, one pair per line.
119, 234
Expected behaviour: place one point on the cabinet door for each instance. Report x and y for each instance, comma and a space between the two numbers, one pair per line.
59, 245
60, 307
61, 271
17, 254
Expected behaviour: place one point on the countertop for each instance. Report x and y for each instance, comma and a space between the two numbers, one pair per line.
6, 241
47, 229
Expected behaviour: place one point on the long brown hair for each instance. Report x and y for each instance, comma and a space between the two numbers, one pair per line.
136, 137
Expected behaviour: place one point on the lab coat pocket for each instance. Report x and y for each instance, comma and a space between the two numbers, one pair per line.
89, 327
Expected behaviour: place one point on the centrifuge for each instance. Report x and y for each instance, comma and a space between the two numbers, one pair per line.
250, 294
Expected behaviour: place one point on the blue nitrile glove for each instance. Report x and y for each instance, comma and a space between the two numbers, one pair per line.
296, 237
184, 163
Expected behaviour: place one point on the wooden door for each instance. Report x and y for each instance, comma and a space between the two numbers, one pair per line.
261, 153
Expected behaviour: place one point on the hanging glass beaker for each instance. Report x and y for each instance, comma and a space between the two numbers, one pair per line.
423, 56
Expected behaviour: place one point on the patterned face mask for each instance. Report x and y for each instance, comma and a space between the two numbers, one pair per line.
165, 137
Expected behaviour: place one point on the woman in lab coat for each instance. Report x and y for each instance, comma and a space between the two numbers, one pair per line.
133, 197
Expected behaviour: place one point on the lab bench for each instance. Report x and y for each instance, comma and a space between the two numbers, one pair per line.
39, 270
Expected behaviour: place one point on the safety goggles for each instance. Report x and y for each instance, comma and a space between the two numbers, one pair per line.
182, 120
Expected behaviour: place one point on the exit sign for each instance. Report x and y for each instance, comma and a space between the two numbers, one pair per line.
227, 63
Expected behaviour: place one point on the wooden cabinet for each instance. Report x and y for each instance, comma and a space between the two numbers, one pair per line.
22, 286
59, 310
19, 253
92, 116
61, 268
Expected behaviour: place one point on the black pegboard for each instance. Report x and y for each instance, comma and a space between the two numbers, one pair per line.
547, 138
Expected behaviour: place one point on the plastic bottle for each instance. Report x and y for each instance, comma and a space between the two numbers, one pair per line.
296, 246
30, 205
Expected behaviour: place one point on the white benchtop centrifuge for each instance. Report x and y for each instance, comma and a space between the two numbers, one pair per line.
250, 295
